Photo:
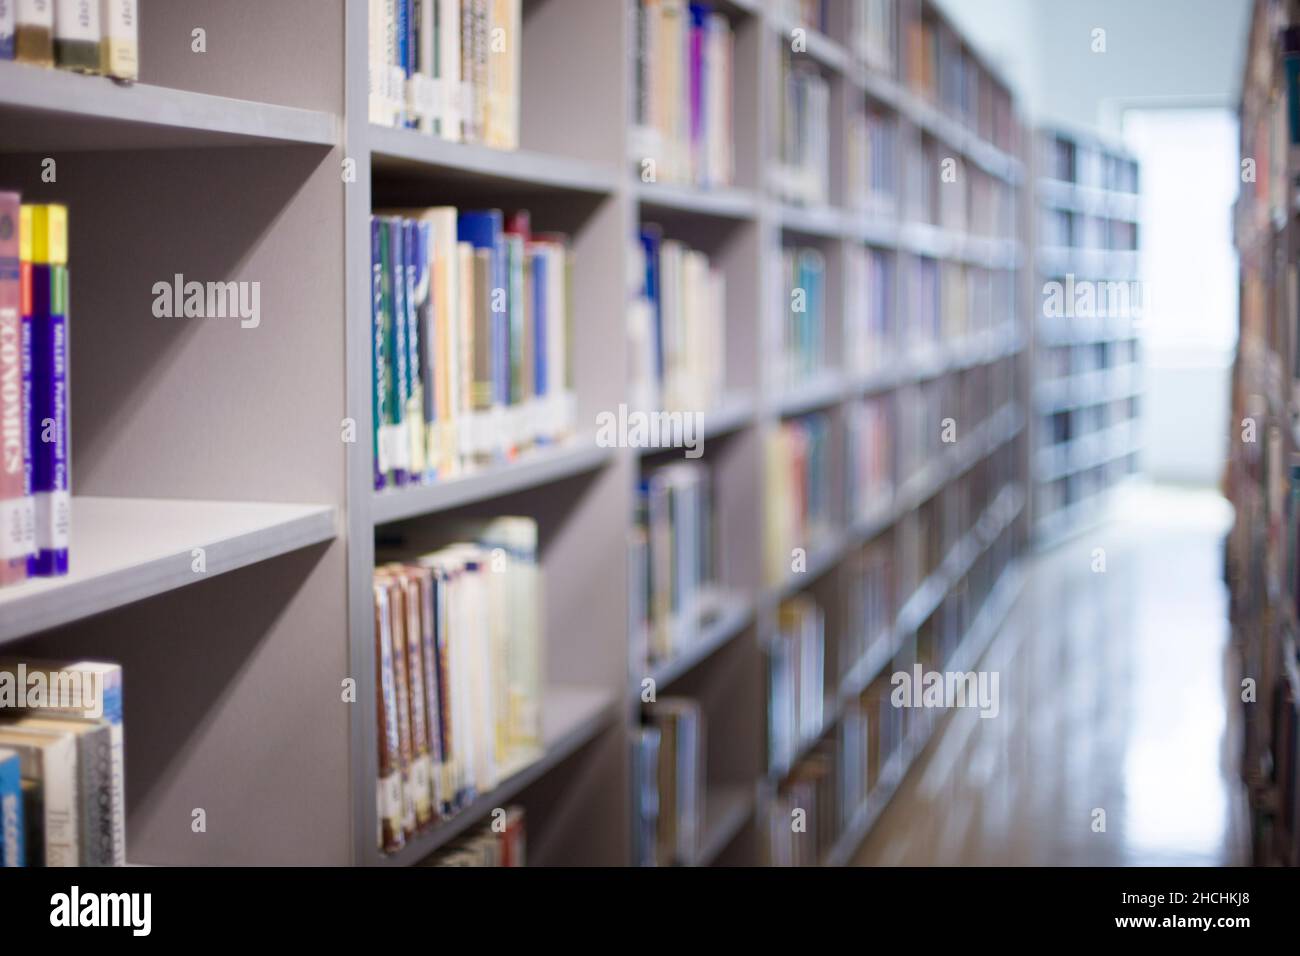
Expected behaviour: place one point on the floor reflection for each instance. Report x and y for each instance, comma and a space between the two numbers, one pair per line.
1115, 689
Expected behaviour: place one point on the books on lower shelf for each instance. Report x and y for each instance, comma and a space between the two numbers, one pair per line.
682, 107
449, 68
872, 732
35, 497
871, 167
924, 315
458, 655
802, 169
499, 842
472, 322
676, 326
870, 607
796, 680
801, 823
62, 764
798, 490
799, 351
669, 782
869, 326
673, 562
99, 37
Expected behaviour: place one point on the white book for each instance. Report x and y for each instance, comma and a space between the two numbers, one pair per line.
51, 759
119, 23
451, 87
76, 20
95, 825
378, 72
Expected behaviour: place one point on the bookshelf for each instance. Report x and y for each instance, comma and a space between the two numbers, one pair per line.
1261, 475
230, 439
1088, 390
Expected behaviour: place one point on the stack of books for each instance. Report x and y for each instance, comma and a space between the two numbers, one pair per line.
35, 500
796, 680
682, 128
472, 319
798, 489
802, 817
62, 764
802, 173
870, 455
869, 321
449, 68
458, 653
800, 351
668, 783
673, 562
875, 33
677, 323
98, 37
499, 842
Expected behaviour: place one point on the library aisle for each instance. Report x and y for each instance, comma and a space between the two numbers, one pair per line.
1116, 695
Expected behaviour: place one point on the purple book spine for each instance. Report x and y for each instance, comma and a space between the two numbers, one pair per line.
697, 94
50, 419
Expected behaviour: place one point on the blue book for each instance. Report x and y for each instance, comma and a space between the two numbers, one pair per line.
404, 46
413, 412
380, 351
12, 852
397, 350
425, 334
650, 240
7, 20
50, 405
484, 230
541, 288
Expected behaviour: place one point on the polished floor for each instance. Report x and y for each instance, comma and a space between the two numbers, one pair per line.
1115, 692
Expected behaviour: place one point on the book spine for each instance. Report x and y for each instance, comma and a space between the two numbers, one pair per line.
13, 851
416, 246
120, 43
77, 36
50, 391
451, 88
14, 500
379, 351
94, 760
34, 32
388, 807
7, 29
113, 714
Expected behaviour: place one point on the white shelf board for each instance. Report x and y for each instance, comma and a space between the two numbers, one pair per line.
571, 716
127, 549
727, 616
46, 109
532, 469
405, 149
723, 202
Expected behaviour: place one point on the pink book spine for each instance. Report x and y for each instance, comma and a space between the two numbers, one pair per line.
13, 543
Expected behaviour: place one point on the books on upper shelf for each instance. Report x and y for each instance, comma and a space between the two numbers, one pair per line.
458, 657
472, 322
811, 14
801, 824
35, 498
449, 68
676, 326
682, 108
875, 33
869, 326
62, 764
668, 783
798, 493
673, 562
870, 455
871, 591
799, 351
499, 842
871, 170
924, 325
796, 680
922, 59
98, 37
801, 173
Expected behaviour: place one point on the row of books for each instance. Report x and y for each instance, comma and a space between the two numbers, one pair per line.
1066, 229
800, 351
673, 564
99, 37
677, 325
871, 600
801, 823
802, 171
668, 756
458, 658
35, 501
869, 320
870, 457
939, 68
499, 842
796, 680
798, 511
62, 764
683, 93
871, 172
472, 321
871, 733
449, 68
1066, 160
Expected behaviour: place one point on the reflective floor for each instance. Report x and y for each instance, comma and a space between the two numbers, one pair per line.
1115, 692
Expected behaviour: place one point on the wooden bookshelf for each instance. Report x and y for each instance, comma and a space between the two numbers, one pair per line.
1087, 391
212, 436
